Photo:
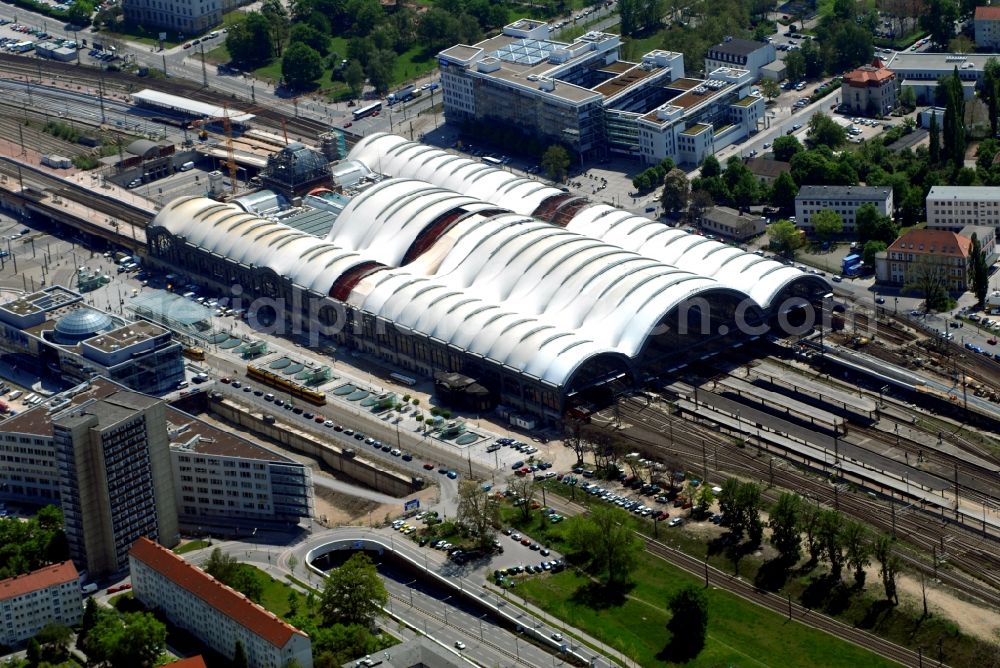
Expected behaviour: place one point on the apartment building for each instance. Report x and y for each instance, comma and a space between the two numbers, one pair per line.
870, 90
115, 477
186, 17
947, 251
213, 470
954, 207
53, 332
845, 200
583, 95
987, 28
740, 54
214, 613
29, 602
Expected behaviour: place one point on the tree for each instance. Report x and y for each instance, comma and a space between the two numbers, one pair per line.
555, 162
606, 537
928, 277
311, 37
949, 90
890, 565
785, 237
301, 66
523, 487
828, 224
239, 656
354, 75
784, 523
639, 15
740, 505
354, 593
831, 525
80, 12
379, 69
809, 517
938, 19
770, 88
824, 131
785, 147
857, 549
991, 91
220, 565
688, 624
795, 65
249, 42
812, 59
870, 250
134, 639
908, 98
55, 640
704, 497
783, 191
676, 190
870, 225
277, 19
980, 272
935, 140
701, 201
710, 167
478, 512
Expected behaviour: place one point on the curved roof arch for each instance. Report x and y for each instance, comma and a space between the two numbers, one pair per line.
229, 231
399, 157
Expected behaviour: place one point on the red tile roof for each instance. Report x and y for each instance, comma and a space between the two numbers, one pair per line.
229, 602
987, 13
869, 75
190, 662
48, 576
938, 242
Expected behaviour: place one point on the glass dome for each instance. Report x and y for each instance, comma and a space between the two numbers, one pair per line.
81, 324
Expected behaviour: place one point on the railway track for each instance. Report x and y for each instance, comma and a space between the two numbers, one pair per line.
697, 446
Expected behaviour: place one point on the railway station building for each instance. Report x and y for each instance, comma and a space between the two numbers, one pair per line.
448, 264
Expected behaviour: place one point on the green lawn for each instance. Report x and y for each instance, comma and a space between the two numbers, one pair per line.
739, 633
191, 546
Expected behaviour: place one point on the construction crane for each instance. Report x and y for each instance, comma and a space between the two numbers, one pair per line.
227, 127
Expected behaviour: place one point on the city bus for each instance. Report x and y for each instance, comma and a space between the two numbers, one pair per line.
367, 111
494, 162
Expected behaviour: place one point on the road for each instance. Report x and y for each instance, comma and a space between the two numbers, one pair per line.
427, 604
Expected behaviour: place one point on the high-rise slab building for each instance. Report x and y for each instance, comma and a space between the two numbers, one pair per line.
115, 478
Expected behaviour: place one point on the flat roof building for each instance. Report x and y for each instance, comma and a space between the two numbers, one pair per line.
30, 602
215, 614
741, 54
53, 331
953, 207
845, 200
205, 461
115, 481
582, 95
921, 71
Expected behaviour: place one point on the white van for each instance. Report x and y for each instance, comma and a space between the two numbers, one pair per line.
16, 394
187, 166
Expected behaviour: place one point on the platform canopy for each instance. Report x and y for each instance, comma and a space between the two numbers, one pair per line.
154, 98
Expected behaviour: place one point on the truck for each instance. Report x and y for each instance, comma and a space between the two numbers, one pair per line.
851, 265
401, 95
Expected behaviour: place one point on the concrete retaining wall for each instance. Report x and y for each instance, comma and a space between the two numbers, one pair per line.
363, 471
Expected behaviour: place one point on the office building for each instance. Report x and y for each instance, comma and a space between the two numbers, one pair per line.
222, 477
30, 602
214, 470
183, 17
987, 28
740, 54
870, 90
921, 71
582, 95
954, 207
115, 477
211, 611
845, 200
942, 251
448, 264
53, 332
